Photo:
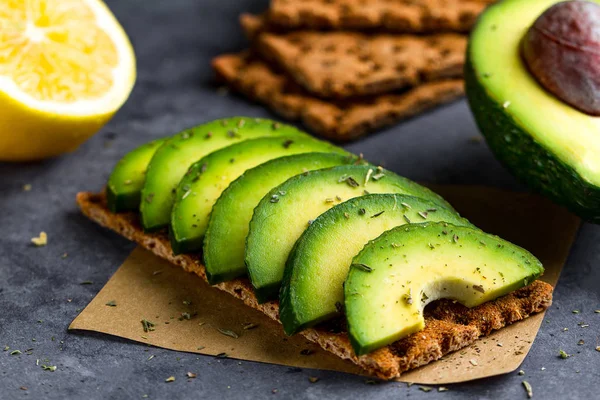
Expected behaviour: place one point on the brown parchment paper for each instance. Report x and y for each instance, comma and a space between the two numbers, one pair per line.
147, 287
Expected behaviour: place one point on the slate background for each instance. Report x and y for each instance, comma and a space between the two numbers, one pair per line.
175, 41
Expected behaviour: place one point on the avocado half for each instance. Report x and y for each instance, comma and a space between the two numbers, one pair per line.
551, 146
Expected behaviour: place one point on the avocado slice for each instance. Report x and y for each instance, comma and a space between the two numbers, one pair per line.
545, 142
225, 238
127, 178
312, 287
396, 275
288, 209
172, 160
204, 182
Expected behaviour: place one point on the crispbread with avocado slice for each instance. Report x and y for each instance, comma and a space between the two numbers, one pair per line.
448, 326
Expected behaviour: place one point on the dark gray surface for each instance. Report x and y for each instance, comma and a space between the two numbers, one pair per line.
174, 41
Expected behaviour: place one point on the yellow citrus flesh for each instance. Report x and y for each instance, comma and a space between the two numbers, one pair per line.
66, 66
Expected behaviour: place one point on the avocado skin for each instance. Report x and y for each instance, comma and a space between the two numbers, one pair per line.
185, 246
527, 159
117, 203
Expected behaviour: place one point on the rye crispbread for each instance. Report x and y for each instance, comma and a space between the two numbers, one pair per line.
449, 326
341, 120
349, 64
405, 16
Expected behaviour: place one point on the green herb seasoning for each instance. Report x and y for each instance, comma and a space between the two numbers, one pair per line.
563, 354
186, 316
528, 389
352, 182
479, 288
362, 267
147, 325
229, 333
368, 176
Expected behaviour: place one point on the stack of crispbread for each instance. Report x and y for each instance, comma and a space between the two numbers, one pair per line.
347, 67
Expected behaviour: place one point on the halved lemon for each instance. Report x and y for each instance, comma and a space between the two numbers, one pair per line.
66, 66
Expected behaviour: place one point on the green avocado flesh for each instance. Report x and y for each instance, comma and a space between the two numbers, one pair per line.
396, 275
231, 214
548, 144
202, 185
287, 210
312, 287
126, 180
172, 160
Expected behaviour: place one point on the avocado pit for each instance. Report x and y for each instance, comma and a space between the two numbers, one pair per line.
562, 51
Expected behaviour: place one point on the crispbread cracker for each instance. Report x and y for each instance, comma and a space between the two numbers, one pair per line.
406, 16
345, 64
449, 326
336, 120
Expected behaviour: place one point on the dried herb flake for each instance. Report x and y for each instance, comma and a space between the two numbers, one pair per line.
528, 389
361, 267
563, 354
352, 182
229, 333
147, 325
479, 288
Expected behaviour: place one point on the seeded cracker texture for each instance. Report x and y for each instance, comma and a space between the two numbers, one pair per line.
347, 64
336, 120
448, 327
406, 16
